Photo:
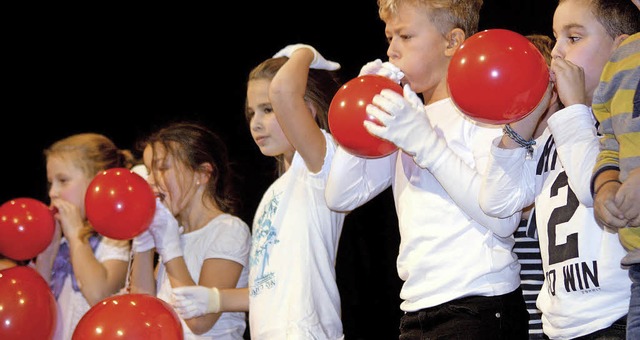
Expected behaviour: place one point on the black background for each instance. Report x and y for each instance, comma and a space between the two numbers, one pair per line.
124, 71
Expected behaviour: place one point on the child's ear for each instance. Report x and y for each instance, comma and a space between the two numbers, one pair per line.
205, 172
619, 39
455, 38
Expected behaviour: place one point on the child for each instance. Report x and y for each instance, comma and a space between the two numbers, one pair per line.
585, 292
292, 281
616, 106
461, 277
527, 247
205, 243
81, 266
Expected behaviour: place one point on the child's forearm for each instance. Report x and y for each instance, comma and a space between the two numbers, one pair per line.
234, 300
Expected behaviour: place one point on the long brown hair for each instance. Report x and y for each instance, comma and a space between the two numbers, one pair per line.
193, 144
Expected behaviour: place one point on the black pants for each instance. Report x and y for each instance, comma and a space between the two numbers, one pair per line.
474, 317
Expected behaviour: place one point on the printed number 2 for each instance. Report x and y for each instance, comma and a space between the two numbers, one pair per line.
569, 249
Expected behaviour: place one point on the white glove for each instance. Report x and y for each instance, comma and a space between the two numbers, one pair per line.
319, 62
405, 123
385, 69
143, 242
193, 301
141, 170
166, 233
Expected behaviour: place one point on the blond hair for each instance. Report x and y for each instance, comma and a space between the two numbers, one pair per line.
444, 14
92, 153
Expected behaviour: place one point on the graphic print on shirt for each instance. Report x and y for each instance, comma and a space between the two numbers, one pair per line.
575, 274
264, 237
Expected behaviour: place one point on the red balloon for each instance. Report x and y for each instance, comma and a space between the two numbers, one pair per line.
26, 228
27, 307
130, 316
347, 112
497, 76
119, 204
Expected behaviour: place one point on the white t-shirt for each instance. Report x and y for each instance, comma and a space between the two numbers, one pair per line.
448, 246
292, 280
72, 304
585, 288
225, 237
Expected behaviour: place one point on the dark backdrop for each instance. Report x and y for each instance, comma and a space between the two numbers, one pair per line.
124, 71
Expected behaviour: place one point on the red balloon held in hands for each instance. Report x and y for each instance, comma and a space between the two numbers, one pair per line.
497, 76
119, 203
130, 316
347, 113
28, 309
26, 228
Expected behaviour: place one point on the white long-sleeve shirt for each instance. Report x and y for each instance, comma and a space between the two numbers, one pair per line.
585, 289
449, 247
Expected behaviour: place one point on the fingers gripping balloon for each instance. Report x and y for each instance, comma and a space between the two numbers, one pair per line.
347, 113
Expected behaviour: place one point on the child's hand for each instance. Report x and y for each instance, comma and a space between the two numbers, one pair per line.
543, 105
69, 217
526, 126
193, 301
319, 62
166, 233
405, 123
385, 69
569, 80
143, 242
628, 196
605, 209
403, 118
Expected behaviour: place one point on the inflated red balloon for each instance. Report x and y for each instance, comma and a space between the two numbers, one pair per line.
347, 112
130, 316
119, 204
27, 307
497, 76
26, 228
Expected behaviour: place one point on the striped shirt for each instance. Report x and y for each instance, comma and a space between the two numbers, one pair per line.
531, 275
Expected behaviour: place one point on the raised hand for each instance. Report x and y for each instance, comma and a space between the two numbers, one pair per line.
319, 62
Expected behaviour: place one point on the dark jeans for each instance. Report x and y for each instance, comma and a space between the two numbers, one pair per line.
474, 317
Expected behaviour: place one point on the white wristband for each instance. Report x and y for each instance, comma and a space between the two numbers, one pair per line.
214, 301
